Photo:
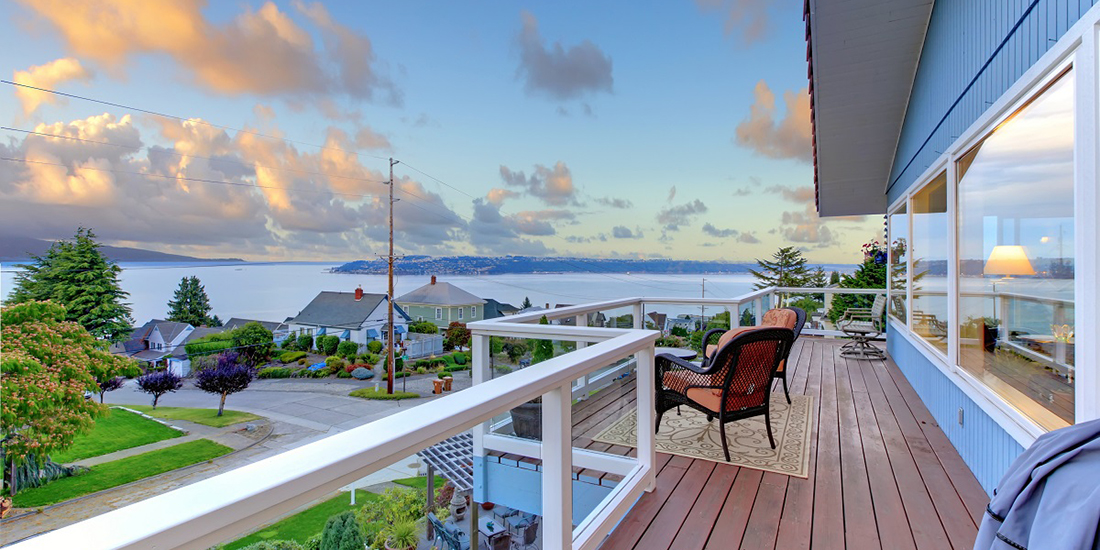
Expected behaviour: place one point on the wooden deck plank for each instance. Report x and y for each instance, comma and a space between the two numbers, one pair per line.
666, 525
955, 518
924, 522
635, 524
828, 521
730, 527
763, 524
696, 529
796, 523
860, 529
970, 491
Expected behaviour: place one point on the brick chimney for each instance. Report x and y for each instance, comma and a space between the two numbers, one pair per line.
359, 293
433, 279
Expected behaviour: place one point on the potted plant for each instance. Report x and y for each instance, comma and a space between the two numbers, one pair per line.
527, 419
402, 535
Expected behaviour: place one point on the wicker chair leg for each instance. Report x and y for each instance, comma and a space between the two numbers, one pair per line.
658, 425
785, 391
725, 446
768, 423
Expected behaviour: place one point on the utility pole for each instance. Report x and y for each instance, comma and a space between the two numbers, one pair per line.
703, 308
390, 336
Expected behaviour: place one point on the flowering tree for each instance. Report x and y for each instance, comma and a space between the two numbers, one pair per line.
46, 365
226, 378
159, 383
456, 336
110, 384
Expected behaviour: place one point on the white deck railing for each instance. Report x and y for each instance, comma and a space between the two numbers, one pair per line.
220, 508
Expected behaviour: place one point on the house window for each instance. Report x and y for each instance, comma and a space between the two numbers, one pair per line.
928, 252
899, 245
473, 312
459, 313
1016, 257
438, 313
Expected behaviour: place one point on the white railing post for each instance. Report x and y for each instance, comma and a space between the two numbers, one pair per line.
557, 469
582, 384
480, 349
758, 309
828, 308
639, 323
647, 413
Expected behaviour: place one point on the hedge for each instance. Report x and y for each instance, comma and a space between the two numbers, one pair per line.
275, 372
374, 346
291, 356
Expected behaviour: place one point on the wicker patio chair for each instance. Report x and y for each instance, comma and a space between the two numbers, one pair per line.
735, 385
772, 318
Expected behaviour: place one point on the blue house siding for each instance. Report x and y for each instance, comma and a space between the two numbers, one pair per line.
985, 447
521, 488
973, 52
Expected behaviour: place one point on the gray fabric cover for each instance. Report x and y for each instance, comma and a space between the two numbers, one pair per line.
1050, 496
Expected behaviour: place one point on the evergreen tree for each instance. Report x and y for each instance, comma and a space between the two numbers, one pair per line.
78, 276
787, 268
834, 278
191, 305
543, 349
526, 303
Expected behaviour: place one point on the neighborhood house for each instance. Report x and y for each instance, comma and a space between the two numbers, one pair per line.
442, 304
353, 316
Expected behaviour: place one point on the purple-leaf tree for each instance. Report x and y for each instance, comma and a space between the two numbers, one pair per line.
159, 383
224, 379
110, 384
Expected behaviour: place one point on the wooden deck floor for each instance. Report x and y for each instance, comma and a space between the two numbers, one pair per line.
882, 473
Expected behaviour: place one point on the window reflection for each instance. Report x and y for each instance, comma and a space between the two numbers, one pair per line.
929, 252
1016, 264
899, 243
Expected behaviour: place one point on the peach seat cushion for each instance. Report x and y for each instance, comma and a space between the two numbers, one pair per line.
783, 318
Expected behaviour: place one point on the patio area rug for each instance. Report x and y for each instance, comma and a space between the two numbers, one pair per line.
692, 436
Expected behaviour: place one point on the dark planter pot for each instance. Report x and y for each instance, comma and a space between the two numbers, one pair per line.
527, 420
989, 337
487, 506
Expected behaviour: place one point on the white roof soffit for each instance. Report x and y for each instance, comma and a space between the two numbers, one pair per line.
862, 57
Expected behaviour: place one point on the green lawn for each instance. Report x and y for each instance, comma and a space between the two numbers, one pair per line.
116, 431
117, 472
306, 523
208, 417
380, 393
420, 482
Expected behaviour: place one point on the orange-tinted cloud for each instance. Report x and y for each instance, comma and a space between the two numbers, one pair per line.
47, 76
748, 18
263, 51
788, 137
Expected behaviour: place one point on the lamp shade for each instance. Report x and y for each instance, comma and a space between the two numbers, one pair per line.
1008, 260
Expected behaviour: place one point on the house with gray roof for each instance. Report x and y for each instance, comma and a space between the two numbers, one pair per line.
442, 304
353, 316
156, 342
494, 309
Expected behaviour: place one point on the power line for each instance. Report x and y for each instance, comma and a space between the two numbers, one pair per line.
437, 180
184, 119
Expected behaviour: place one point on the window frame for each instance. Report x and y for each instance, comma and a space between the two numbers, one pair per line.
438, 314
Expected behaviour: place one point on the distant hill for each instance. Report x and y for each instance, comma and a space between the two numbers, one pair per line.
14, 249
480, 265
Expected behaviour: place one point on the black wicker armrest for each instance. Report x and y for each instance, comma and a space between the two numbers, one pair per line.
666, 362
709, 333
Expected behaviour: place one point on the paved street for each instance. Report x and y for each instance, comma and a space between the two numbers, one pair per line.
300, 411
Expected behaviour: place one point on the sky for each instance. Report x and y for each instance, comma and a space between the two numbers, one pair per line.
263, 130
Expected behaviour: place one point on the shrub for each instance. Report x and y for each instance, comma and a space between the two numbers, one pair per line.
421, 363
396, 375
395, 506
275, 372
203, 362
313, 543
342, 532
302, 361
291, 356
305, 342
347, 350
374, 346
421, 370
290, 343
334, 363
159, 383
424, 327
362, 373
343, 374
328, 343
459, 358
453, 368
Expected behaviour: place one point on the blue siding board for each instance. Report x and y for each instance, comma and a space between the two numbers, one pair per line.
962, 36
985, 447
521, 488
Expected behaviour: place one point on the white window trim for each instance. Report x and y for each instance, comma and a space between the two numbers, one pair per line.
1077, 48
460, 313
438, 313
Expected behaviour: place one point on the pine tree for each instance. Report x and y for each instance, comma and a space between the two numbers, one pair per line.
78, 276
543, 349
191, 305
788, 268
526, 303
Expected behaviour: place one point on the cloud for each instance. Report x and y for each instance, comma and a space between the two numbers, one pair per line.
671, 193
806, 227
257, 52
536, 222
720, 233
747, 238
623, 232
497, 196
615, 202
193, 188
558, 72
675, 216
748, 18
788, 138
742, 192
47, 76
794, 194
554, 186
490, 232
366, 138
